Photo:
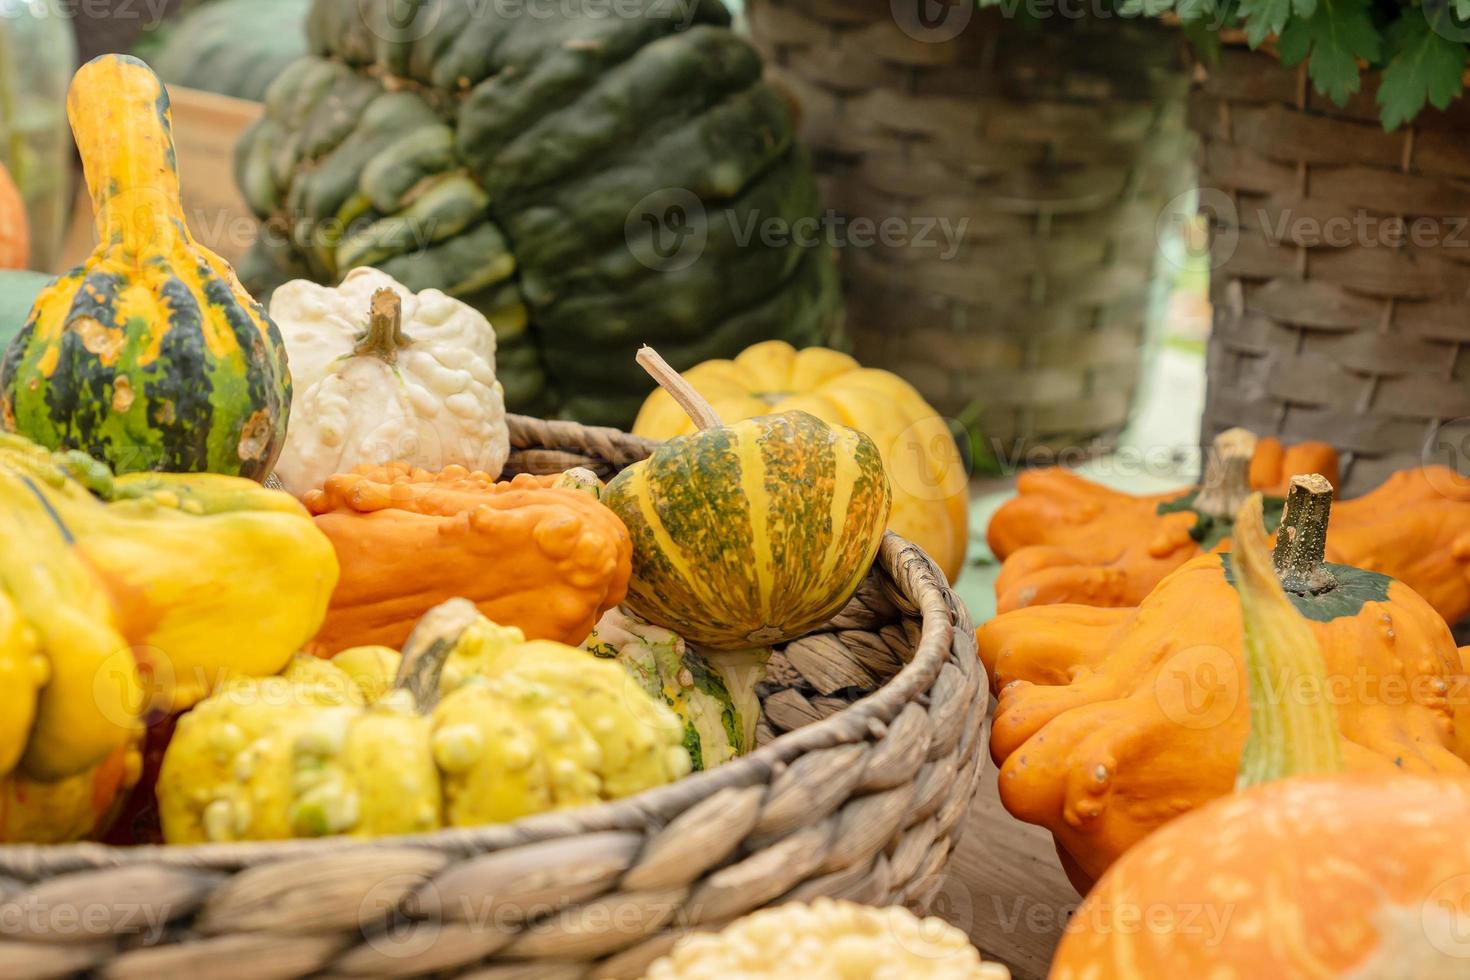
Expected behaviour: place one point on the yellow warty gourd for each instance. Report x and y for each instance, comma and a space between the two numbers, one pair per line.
471, 725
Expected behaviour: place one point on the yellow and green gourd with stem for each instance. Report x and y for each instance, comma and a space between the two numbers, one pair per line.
752, 533
150, 355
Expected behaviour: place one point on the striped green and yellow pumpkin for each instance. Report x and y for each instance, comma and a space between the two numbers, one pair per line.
150, 355
752, 533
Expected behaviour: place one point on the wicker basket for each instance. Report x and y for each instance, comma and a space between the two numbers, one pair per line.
1059, 147
876, 727
1354, 336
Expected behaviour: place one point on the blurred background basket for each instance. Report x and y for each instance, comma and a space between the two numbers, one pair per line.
875, 729
1059, 146
1341, 258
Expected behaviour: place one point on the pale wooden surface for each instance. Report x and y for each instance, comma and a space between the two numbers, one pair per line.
1005, 887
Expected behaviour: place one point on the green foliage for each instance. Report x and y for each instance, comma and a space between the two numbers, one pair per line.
1418, 45
1424, 65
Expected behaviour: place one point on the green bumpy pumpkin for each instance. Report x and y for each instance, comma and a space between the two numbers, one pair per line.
232, 47
150, 355
589, 181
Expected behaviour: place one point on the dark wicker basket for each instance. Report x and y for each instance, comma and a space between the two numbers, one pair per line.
1061, 145
877, 730
1329, 323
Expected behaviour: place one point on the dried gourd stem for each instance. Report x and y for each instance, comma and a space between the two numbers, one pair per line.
691, 401
1227, 480
1301, 543
384, 336
429, 646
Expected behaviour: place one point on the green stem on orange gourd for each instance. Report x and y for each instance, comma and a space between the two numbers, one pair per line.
1293, 724
670, 380
119, 112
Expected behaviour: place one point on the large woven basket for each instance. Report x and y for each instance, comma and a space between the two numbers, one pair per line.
1354, 336
876, 727
1060, 146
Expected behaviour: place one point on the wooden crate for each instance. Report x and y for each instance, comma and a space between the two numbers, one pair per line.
206, 128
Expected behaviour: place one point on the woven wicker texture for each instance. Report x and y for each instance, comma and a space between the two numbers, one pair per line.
1057, 147
884, 718
1341, 259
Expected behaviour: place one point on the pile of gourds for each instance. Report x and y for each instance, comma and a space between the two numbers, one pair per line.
563, 641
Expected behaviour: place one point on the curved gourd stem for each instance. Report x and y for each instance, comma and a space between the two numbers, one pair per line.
120, 115
1293, 723
384, 336
428, 648
691, 401
1226, 481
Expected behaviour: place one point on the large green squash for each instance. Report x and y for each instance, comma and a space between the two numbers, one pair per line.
589, 180
232, 47
150, 355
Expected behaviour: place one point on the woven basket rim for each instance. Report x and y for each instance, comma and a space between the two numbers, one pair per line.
935, 605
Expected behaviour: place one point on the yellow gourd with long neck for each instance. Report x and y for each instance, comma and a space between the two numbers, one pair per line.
150, 355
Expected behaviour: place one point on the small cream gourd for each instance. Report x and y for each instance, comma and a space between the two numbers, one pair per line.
386, 375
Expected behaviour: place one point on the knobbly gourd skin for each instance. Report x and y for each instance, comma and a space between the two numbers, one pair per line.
827, 939
925, 471
713, 694
752, 533
150, 355
1111, 722
412, 382
1064, 538
588, 179
331, 747
531, 552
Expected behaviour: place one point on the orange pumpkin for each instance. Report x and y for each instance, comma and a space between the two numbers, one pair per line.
1067, 539
1111, 722
15, 235
538, 553
1317, 873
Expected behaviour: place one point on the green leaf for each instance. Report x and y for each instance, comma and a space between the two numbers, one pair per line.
1424, 66
1338, 33
1462, 9
1264, 18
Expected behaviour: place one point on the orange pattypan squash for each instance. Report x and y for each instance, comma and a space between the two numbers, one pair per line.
1111, 722
537, 553
1067, 539
1311, 871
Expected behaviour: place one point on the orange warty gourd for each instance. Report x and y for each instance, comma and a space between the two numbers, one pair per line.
15, 232
1067, 539
1112, 722
1311, 872
537, 553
